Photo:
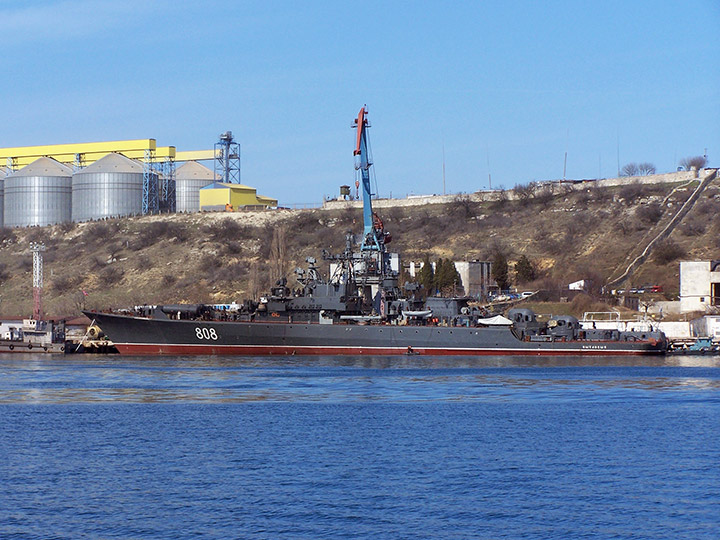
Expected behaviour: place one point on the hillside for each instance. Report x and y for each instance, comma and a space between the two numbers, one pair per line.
568, 234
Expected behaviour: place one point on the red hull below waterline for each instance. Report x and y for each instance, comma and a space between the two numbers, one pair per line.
234, 350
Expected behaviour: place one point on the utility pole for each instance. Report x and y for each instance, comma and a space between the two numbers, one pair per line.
567, 143
487, 155
37, 248
443, 168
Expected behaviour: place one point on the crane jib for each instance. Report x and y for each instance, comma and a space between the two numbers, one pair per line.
371, 240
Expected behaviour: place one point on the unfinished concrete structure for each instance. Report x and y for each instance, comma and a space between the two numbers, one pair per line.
699, 285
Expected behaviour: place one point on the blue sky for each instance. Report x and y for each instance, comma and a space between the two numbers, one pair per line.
512, 84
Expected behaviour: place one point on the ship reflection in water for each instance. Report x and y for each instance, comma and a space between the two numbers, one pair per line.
42, 379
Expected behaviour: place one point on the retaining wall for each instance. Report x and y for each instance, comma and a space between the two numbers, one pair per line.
494, 195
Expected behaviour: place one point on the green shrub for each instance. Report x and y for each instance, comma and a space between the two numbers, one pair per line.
67, 226
111, 276
667, 251
7, 235
708, 207
694, 226
650, 213
463, 206
143, 262
524, 270
99, 232
65, 284
631, 192
226, 230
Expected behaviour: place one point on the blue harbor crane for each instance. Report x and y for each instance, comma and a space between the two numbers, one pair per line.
374, 235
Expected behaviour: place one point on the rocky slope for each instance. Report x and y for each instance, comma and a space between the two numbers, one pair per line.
568, 235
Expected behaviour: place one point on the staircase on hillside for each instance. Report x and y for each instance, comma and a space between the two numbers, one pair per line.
710, 175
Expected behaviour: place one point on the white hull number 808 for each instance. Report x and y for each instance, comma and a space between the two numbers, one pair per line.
206, 333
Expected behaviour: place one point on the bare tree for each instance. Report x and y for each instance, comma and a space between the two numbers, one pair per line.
637, 169
646, 168
545, 194
278, 254
698, 162
254, 285
114, 251
502, 199
524, 192
463, 206
631, 169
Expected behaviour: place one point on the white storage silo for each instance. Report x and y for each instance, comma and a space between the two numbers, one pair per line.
189, 179
38, 194
110, 187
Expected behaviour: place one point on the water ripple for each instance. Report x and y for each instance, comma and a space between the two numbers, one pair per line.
78, 379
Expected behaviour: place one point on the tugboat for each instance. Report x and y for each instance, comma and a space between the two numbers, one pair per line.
34, 336
359, 310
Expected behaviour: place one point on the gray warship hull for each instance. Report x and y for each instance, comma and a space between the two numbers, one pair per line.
146, 336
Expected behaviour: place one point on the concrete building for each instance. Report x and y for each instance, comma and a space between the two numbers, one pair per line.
699, 285
475, 276
217, 196
707, 326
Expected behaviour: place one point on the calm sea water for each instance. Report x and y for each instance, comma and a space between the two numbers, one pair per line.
111, 447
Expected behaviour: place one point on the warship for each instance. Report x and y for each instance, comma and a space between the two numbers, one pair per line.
359, 309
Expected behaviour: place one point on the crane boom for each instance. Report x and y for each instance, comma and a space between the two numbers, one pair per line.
373, 237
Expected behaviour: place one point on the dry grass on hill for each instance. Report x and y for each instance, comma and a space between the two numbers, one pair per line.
220, 257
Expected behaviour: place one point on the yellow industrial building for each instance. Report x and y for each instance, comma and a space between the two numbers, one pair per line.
165, 193
219, 197
83, 154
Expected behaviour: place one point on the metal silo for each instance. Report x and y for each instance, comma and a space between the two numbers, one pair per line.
38, 194
110, 187
189, 179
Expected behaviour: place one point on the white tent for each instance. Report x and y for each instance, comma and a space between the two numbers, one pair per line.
497, 320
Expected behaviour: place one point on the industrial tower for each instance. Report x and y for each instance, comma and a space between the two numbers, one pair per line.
37, 248
227, 159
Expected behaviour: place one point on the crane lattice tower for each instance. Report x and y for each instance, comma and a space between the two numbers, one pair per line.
37, 248
227, 159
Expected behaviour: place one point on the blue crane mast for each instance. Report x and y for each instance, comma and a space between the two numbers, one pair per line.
374, 235
369, 274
